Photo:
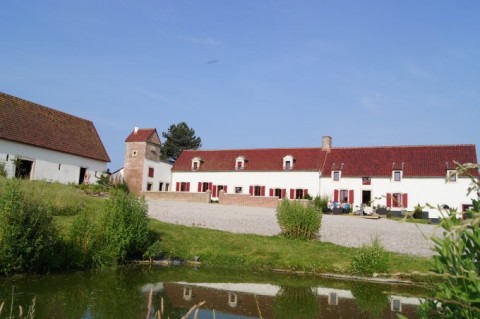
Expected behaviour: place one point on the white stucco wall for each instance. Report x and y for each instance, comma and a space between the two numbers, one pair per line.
48, 165
421, 191
162, 174
286, 179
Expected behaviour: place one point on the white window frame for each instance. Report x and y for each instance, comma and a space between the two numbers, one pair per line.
240, 160
452, 176
339, 176
400, 175
196, 162
290, 160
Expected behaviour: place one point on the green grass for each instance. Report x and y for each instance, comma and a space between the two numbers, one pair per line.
223, 249
228, 250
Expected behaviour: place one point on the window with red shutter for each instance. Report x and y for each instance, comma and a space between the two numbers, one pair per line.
151, 172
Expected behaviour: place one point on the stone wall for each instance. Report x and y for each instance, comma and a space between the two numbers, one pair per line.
179, 196
247, 200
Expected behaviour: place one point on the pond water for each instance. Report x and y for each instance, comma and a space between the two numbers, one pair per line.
125, 293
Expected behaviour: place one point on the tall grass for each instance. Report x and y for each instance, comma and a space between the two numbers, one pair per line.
64, 200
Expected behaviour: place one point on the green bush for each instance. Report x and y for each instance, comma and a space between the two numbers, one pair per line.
123, 228
28, 237
83, 242
370, 259
457, 262
298, 221
321, 203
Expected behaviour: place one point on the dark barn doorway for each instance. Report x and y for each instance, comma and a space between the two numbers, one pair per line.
23, 168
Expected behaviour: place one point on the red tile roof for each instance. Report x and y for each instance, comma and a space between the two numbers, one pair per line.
30, 123
306, 159
418, 161
142, 135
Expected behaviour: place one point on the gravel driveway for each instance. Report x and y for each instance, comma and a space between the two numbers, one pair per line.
350, 231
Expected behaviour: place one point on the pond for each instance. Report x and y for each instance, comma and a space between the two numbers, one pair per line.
125, 292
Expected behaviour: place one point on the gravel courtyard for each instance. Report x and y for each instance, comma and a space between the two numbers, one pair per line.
351, 231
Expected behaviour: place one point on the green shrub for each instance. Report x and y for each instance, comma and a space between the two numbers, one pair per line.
83, 242
298, 221
417, 213
123, 228
28, 237
457, 262
321, 203
370, 259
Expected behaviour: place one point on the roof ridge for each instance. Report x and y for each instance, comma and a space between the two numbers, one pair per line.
402, 146
256, 149
45, 107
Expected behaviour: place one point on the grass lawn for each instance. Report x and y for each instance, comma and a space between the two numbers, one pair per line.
223, 249
218, 248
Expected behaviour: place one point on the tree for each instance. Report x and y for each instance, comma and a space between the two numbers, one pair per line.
178, 138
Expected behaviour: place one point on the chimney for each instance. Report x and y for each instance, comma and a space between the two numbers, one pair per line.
135, 130
326, 143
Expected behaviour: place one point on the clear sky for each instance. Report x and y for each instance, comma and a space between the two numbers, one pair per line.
252, 73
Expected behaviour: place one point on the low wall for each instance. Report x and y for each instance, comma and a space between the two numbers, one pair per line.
179, 196
247, 200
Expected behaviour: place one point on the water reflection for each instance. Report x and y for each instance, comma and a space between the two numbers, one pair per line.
124, 293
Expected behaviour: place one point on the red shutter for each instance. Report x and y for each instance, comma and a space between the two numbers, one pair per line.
335, 195
177, 187
188, 187
250, 190
292, 193
224, 188
263, 191
214, 190
405, 200
271, 192
199, 187
210, 186
350, 196
305, 193
284, 193
389, 200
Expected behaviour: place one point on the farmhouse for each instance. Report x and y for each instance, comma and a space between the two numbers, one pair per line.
40, 143
390, 177
394, 177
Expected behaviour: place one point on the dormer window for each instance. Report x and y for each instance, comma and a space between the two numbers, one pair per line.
196, 162
451, 176
336, 175
288, 162
240, 163
397, 176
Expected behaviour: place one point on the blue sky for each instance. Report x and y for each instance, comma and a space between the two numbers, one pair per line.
367, 73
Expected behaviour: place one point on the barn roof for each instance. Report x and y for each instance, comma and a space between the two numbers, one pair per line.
29, 123
414, 161
305, 159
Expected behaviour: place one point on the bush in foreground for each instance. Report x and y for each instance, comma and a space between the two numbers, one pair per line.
371, 259
297, 220
123, 228
457, 262
28, 236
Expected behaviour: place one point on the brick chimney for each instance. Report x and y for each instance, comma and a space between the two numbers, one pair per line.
326, 143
